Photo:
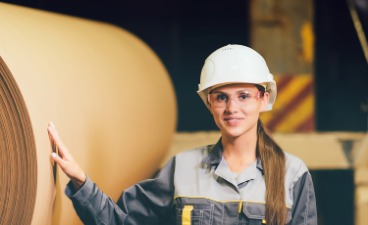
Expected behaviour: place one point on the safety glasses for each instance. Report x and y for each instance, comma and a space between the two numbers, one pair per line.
220, 99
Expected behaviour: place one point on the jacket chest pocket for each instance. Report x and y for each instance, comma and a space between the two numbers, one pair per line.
255, 213
256, 222
194, 214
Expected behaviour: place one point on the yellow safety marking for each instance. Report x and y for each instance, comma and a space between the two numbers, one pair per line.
307, 36
187, 214
286, 95
297, 116
291, 90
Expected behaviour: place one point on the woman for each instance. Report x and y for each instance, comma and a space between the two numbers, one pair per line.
245, 178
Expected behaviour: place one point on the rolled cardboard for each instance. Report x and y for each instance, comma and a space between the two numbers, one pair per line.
108, 94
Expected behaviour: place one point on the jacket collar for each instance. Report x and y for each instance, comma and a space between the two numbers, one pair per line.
259, 164
215, 156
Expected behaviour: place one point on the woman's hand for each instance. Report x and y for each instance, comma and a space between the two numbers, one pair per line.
65, 159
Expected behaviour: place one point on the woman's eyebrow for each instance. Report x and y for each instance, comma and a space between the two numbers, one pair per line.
217, 91
244, 90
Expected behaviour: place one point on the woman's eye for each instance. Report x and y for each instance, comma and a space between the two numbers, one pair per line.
221, 97
243, 96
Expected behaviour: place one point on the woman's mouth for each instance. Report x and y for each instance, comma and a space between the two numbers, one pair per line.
233, 121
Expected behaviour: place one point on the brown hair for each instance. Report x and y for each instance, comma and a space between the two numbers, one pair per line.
273, 162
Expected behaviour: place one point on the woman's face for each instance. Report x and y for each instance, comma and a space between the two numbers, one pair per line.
236, 107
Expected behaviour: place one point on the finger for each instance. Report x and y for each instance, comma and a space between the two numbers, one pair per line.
53, 132
52, 142
55, 139
55, 136
58, 160
70, 169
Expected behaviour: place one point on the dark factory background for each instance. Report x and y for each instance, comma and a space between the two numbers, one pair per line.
184, 32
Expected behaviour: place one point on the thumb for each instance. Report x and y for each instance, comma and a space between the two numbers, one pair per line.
57, 159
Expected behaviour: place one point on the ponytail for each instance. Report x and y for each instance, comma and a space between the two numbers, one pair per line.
273, 162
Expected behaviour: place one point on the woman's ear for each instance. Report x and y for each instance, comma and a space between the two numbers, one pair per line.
264, 100
208, 100
209, 104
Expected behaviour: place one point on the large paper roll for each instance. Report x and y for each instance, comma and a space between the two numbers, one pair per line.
108, 94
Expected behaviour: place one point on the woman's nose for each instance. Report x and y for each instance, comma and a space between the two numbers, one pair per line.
231, 106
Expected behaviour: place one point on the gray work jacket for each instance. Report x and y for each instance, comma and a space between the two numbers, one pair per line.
196, 187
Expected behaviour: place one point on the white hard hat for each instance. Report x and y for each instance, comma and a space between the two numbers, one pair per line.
236, 64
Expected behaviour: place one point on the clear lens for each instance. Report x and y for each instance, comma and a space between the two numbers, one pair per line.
220, 99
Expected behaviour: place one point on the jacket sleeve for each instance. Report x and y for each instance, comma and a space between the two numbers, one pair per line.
147, 202
304, 210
